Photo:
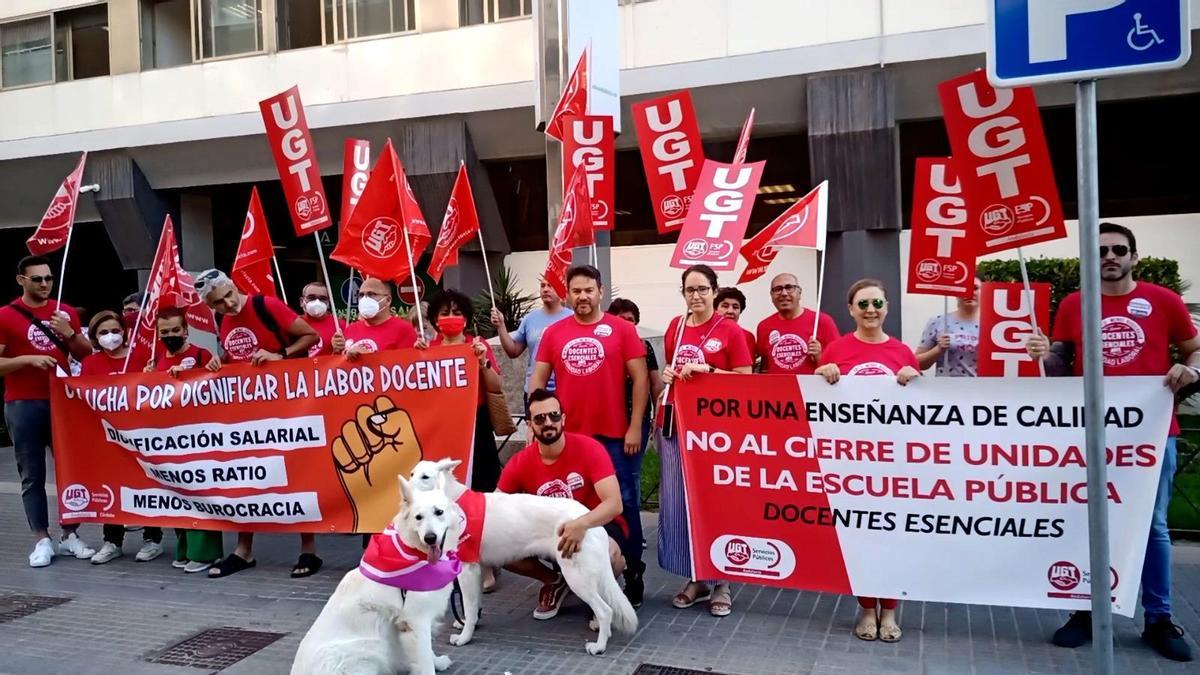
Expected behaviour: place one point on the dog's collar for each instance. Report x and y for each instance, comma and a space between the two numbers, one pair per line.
391, 562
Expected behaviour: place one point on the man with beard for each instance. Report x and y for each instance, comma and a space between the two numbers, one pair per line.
590, 355
785, 339
1141, 321
570, 466
529, 333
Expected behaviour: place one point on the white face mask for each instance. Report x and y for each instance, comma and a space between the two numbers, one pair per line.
316, 309
110, 341
368, 307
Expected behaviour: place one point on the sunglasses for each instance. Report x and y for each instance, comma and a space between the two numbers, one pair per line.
1120, 250
205, 279
877, 303
541, 418
38, 279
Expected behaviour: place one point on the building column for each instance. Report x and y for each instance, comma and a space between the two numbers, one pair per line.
124, 37
196, 232
853, 143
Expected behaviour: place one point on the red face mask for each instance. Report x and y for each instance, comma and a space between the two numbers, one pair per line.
452, 326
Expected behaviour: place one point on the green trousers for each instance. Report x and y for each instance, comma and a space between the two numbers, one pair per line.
198, 545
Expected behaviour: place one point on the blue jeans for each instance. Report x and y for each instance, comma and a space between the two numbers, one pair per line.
629, 477
1156, 571
29, 426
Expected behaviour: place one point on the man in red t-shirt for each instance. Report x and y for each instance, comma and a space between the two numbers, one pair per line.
37, 335
730, 303
377, 330
314, 300
590, 354
1140, 323
257, 329
785, 339
570, 466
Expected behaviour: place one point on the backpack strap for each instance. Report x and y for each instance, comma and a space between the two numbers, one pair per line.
51, 335
259, 303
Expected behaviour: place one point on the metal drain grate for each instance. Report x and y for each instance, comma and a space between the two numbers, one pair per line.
215, 648
655, 669
16, 605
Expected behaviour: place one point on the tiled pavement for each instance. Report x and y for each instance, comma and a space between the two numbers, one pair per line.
122, 613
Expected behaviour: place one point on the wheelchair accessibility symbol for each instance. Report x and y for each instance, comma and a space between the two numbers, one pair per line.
1142, 37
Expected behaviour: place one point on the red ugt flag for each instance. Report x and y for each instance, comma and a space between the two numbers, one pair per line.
801, 226
296, 161
373, 238
574, 99
458, 226
252, 266
163, 290
739, 155
574, 229
52, 232
356, 166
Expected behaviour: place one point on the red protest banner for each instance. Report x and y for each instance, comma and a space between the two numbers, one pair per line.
588, 143
803, 225
716, 222
356, 167
574, 229
252, 266
304, 445
672, 155
1004, 326
941, 251
459, 225
296, 161
1003, 162
55, 227
743, 144
574, 99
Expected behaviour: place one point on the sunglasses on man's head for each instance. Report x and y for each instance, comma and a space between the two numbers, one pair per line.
541, 418
207, 278
878, 303
39, 279
1120, 250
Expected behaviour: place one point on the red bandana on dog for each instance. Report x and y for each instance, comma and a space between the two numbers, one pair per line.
474, 505
389, 561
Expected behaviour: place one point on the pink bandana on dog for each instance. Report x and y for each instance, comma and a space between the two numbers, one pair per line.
389, 561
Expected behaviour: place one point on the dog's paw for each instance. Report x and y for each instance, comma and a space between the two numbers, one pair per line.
458, 625
594, 648
593, 625
442, 662
460, 639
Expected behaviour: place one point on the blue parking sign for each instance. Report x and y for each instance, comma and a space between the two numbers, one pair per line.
1034, 41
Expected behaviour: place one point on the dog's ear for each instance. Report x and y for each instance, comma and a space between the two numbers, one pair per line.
441, 481
448, 465
406, 490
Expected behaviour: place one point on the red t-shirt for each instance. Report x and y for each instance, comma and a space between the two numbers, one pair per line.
855, 357
588, 361
582, 464
101, 363
19, 337
783, 343
719, 342
490, 356
242, 334
749, 342
1137, 331
190, 357
395, 333
325, 330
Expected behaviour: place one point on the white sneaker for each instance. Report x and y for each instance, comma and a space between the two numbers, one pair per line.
73, 545
149, 551
43, 553
196, 566
107, 553
180, 564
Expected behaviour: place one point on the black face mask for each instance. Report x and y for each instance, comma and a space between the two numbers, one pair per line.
174, 343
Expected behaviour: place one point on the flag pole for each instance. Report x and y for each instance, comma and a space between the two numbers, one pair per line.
486, 270
820, 288
412, 273
1029, 303
279, 276
592, 252
62, 272
337, 325
945, 328
142, 309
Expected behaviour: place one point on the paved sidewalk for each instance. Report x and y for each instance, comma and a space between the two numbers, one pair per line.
120, 615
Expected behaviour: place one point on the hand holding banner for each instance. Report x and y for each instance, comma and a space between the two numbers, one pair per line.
672, 155
252, 266
1003, 161
941, 257
296, 161
717, 220
1005, 324
802, 225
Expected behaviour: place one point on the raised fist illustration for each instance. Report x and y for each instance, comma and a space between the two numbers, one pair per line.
374, 448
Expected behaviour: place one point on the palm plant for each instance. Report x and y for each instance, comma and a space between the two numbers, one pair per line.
512, 303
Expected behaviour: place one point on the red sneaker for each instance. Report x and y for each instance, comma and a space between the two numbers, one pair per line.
550, 599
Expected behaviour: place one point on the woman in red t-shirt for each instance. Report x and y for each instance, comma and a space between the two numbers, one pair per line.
701, 341
106, 330
869, 351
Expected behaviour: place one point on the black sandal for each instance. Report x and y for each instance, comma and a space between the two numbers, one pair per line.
232, 564
309, 563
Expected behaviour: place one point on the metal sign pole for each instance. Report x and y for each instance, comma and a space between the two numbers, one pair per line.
1093, 373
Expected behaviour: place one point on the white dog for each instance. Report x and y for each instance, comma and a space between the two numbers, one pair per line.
373, 627
518, 526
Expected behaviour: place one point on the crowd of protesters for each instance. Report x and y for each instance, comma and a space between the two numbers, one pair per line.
596, 398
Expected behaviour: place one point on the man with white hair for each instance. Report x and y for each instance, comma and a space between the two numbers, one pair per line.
257, 329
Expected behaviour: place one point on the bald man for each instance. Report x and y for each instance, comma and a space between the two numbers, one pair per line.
377, 329
785, 340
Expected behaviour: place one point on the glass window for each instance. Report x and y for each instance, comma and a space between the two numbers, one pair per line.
81, 43
166, 33
473, 12
350, 19
25, 53
229, 27
299, 23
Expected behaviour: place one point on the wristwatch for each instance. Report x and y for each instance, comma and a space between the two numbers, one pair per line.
711, 369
